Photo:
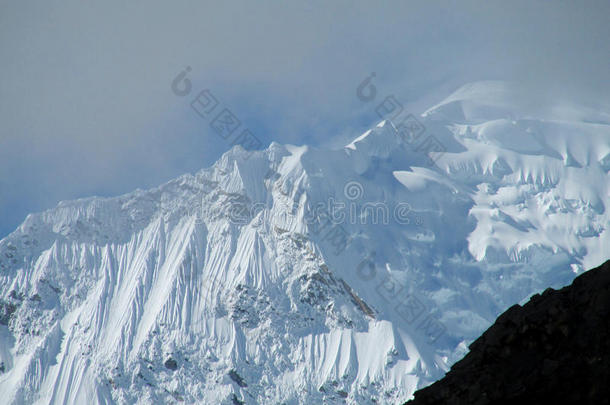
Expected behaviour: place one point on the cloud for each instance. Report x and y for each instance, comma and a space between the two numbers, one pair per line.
87, 108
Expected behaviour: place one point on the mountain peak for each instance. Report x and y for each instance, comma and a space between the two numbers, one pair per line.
488, 100
363, 272
482, 100
379, 141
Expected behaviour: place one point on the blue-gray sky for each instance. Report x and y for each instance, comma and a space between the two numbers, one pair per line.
86, 106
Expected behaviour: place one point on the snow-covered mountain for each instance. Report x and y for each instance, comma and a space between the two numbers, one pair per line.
302, 275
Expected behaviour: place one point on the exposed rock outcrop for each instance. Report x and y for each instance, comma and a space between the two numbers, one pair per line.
553, 350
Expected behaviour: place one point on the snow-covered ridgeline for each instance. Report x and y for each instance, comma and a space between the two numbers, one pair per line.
163, 295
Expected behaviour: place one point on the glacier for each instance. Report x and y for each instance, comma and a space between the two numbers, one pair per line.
299, 274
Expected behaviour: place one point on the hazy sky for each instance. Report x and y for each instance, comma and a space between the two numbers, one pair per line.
86, 106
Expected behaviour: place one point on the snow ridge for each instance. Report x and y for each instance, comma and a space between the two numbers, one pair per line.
229, 286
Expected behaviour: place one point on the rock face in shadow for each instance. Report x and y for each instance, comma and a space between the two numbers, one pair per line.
553, 350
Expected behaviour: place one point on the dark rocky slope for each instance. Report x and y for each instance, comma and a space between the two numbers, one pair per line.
553, 350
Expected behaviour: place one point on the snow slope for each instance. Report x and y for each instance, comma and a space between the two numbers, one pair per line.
297, 274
